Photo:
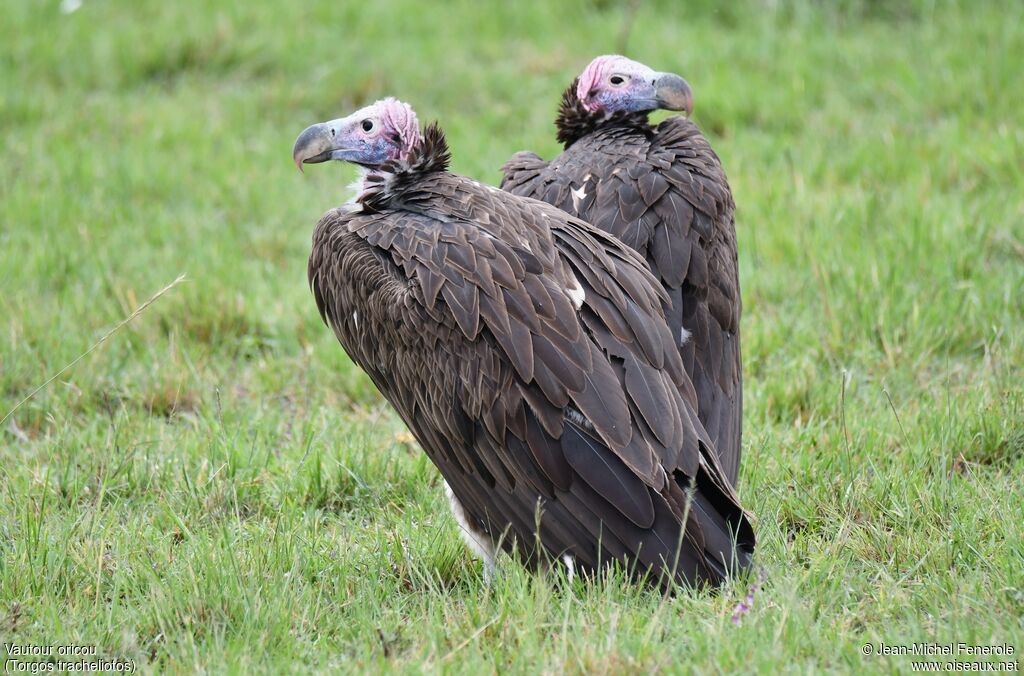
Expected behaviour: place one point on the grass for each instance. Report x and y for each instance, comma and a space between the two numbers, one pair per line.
218, 487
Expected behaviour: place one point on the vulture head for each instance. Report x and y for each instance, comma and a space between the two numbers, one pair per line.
612, 84
373, 137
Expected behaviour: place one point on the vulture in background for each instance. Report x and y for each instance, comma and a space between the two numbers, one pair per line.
529, 355
661, 190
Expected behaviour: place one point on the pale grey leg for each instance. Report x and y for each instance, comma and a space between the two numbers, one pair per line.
477, 541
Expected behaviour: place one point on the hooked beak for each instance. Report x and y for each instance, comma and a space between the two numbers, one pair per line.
318, 143
673, 93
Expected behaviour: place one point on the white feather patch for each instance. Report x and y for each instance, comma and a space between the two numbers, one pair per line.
358, 186
578, 195
477, 541
570, 564
578, 418
576, 293
684, 336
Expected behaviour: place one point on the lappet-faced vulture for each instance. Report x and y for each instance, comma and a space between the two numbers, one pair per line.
661, 190
529, 355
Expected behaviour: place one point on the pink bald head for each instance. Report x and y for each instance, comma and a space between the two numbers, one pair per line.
613, 83
400, 119
595, 71
372, 136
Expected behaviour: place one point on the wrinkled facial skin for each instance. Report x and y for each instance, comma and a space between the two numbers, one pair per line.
626, 101
369, 137
369, 147
617, 84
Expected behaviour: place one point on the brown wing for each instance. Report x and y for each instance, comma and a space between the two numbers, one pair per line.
521, 169
663, 193
523, 401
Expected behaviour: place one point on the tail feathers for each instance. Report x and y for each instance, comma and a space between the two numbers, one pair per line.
717, 529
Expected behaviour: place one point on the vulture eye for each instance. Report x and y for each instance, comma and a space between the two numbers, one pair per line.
367, 125
617, 80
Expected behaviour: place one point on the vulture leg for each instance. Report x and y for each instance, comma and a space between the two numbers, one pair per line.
477, 541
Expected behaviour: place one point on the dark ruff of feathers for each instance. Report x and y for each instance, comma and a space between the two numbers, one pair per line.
561, 430
661, 190
574, 121
431, 155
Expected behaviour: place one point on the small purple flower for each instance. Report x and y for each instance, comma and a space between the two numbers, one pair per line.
745, 606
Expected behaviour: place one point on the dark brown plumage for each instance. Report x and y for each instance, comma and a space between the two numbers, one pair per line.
529, 355
661, 190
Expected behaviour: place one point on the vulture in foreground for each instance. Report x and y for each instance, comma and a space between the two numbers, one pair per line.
529, 355
661, 190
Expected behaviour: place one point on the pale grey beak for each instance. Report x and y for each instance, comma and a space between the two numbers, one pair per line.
673, 93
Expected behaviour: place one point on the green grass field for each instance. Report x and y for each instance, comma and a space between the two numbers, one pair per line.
218, 487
